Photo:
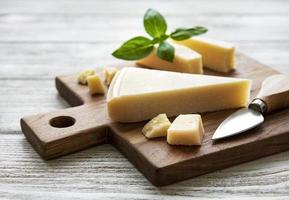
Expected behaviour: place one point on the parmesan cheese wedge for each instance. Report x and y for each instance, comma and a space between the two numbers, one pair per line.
217, 55
109, 73
138, 94
157, 127
82, 76
185, 60
95, 85
186, 130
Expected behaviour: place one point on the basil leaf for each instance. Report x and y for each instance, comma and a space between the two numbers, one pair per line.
134, 49
154, 23
166, 52
183, 33
160, 39
180, 35
196, 29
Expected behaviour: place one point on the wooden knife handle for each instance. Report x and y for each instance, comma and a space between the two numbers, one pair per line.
275, 92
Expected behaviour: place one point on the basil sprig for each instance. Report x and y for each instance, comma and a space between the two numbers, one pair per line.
156, 26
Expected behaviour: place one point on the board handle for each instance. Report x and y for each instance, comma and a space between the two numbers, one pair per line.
274, 94
65, 131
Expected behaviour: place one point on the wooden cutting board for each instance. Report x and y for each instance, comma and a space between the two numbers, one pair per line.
87, 124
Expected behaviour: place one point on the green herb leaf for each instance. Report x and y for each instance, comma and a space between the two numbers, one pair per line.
160, 39
183, 33
166, 52
134, 49
154, 23
156, 26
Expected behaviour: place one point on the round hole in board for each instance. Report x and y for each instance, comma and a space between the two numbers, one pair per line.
62, 122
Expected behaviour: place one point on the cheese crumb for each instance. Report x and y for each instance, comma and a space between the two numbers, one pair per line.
186, 130
82, 76
157, 127
95, 85
109, 73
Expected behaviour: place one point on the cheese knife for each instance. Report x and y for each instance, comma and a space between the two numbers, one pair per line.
274, 95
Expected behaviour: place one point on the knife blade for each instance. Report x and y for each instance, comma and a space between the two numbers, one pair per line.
240, 121
274, 95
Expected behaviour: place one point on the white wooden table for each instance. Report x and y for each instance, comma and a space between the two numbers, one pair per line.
40, 39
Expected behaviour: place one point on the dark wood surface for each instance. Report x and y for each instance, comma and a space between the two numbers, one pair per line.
161, 163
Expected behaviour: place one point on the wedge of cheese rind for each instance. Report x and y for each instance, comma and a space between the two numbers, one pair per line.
217, 55
138, 94
185, 60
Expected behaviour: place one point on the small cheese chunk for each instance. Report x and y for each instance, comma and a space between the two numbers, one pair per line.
217, 55
82, 76
185, 60
138, 94
157, 127
186, 130
109, 73
95, 85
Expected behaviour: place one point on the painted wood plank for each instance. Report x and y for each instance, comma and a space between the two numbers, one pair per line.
39, 61
101, 170
115, 7
93, 28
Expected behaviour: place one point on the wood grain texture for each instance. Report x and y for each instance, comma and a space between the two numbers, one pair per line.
30, 58
161, 163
